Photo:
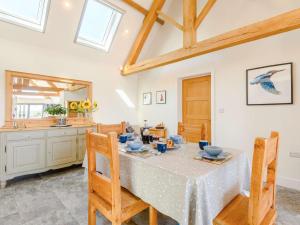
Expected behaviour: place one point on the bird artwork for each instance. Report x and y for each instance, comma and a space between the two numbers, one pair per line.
264, 80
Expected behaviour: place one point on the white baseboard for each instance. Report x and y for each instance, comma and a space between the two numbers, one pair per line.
289, 182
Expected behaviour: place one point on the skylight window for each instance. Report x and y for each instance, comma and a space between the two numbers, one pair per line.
98, 24
30, 13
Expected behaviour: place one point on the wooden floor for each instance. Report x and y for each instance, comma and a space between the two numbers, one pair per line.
60, 199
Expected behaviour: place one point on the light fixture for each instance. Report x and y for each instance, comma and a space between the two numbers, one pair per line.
67, 4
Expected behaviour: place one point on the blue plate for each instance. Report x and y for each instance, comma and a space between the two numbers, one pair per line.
205, 155
141, 149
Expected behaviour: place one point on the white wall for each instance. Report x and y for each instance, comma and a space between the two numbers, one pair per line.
54, 53
238, 126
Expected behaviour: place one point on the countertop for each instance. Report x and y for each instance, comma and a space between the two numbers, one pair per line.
4, 129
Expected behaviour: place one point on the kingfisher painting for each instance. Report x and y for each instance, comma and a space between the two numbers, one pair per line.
264, 80
270, 85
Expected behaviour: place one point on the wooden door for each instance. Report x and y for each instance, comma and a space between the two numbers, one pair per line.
196, 108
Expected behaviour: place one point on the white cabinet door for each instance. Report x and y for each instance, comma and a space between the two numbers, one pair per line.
24, 156
81, 147
61, 150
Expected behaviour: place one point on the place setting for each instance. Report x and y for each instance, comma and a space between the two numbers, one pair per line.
148, 145
212, 154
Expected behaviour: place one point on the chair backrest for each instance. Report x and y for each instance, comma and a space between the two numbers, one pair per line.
106, 188
180, 128
189, 133
262, 192
107, 128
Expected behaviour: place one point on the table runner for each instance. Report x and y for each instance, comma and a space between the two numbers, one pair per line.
190, 191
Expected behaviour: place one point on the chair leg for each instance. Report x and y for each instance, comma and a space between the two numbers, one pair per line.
152, 216
92, 214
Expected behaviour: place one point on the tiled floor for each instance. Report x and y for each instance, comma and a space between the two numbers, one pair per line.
60, 199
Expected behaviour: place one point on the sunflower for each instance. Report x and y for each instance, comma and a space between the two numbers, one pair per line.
86, 104
73, 105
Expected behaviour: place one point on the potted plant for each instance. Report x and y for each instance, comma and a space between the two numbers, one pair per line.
58, 111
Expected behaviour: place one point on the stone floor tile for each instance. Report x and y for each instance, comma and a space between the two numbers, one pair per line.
59, 217
35, 204
8, 205
13, 219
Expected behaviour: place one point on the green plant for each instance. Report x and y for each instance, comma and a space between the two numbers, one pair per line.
56, 110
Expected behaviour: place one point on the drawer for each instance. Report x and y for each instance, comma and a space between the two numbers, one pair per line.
62, 132
25, 135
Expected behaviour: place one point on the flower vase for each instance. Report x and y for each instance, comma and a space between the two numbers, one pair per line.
87, 115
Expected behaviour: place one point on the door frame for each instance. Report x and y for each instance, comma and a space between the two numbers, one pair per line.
212, 95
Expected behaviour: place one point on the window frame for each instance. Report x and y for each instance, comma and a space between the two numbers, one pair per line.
29, 111
94, 45
19, 21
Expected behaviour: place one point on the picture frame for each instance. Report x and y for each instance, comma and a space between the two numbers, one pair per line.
147, 98
270, 85
161, 97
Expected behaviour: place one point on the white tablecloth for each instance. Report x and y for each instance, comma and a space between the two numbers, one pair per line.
190, 191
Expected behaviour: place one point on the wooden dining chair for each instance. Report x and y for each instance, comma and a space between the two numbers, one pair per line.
259, 208
193, 134
106, 194
106, 128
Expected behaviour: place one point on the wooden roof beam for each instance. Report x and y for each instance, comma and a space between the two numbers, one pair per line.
189, 17
144, 31
141, 9
36, 88
51, 84
35, 94
279, 24
170, 20
207, 7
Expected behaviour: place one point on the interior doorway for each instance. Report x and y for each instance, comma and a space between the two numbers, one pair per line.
196, 108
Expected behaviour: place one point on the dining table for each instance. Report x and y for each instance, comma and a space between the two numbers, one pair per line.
188, 190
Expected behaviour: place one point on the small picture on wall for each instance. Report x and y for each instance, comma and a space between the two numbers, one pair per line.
270, 85
147, 98
161, 97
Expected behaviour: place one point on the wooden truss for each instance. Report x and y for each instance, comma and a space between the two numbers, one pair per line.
191, 48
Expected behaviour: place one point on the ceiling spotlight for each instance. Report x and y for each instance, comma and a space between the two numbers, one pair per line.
67, 4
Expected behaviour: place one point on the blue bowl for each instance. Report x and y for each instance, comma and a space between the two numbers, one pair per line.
135, 145
213, 150
130, 135
177, 139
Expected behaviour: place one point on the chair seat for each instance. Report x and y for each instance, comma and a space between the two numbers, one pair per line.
236, 212
130, 205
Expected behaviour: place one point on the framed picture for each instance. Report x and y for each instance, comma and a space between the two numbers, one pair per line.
147, 98
270, 85
161, 97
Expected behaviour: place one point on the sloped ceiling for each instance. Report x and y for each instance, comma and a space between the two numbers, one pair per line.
62, 24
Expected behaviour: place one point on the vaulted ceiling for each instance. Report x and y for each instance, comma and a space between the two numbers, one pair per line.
191, 21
